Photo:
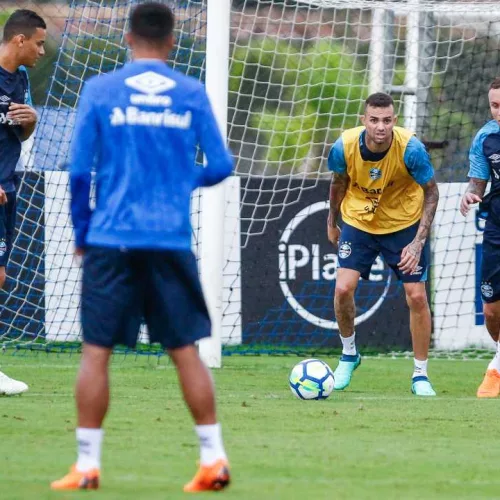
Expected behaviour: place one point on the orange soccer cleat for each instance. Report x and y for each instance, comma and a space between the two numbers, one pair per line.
490, 386
76, 480
210, 478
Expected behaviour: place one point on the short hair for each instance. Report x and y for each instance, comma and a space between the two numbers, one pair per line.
22, 22
152, 21
495, 84
379, 100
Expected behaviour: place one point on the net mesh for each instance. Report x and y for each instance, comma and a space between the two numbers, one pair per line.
298, 76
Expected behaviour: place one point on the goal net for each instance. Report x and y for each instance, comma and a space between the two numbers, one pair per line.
298, 76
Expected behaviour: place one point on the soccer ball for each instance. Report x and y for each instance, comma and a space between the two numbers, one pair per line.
311, 379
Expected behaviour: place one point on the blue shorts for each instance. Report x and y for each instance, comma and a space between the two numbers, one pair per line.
359, 249
490, 263
7, 226
121, 288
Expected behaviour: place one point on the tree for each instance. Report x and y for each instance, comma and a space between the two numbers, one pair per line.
295, 102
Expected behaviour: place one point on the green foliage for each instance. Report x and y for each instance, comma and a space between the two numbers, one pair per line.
4, 15
297, 98
260, 70
331, 82
289, 139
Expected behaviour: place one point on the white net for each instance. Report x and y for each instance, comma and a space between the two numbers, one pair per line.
298, 75
41, 302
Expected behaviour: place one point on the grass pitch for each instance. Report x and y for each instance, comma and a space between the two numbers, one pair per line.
373, 441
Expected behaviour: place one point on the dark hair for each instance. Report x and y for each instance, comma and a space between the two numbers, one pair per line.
152, 21
379, 100
22, 22
495, 84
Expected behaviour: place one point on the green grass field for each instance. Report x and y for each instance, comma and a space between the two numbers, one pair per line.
373, 441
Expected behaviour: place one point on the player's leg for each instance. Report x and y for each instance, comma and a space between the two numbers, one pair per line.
108, 297
8, 214
418, 304
199, 395
8, 385
490, 293
420, 329
490, 386
491, 311
356, 254
345, 312
177, 316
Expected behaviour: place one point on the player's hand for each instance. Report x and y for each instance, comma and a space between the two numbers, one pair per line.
3, 196
333, 233
410, 257
22, 114
79, 252
468, 199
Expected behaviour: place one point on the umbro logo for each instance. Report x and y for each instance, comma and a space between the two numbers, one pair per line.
150, 83
495, 158
4, 100
418, 270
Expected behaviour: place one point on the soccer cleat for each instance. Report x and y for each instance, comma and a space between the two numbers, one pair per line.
210, 478
421, 386
76, 480
490, 386
343, 373
11, 387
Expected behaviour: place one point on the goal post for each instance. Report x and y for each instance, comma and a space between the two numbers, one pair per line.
213, 199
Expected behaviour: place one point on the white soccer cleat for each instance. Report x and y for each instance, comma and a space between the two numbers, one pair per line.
11, 387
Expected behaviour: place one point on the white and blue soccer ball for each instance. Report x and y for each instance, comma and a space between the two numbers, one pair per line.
311, 379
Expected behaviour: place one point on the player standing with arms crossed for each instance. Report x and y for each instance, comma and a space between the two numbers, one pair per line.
383, 184
484, 159
141, 125
22, 46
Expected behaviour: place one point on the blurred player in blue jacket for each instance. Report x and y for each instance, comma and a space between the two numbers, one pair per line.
139, 128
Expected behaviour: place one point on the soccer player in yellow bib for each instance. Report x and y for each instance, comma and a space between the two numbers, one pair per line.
383, 185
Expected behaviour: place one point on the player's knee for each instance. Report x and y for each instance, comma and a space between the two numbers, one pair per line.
3, 277
416, 299
183, 355
491, 312
344, 291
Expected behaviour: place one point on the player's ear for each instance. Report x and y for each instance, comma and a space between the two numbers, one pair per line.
129, 38
19, 40
396, 120
171, 41
362, 118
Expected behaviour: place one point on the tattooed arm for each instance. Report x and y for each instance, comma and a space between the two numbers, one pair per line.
431, 198
473, 194
338, 188
410, 256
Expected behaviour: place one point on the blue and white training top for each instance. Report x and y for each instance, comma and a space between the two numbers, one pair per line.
484, 164
139, 127
14, 88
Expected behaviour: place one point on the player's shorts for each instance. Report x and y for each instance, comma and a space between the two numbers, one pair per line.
359, 249
490, 263
122, 287
7, 227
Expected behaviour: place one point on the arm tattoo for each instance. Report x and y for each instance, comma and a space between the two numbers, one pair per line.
476, 186
431, 198
338, 188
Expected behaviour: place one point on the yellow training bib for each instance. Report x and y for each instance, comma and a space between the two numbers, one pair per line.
382, 197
